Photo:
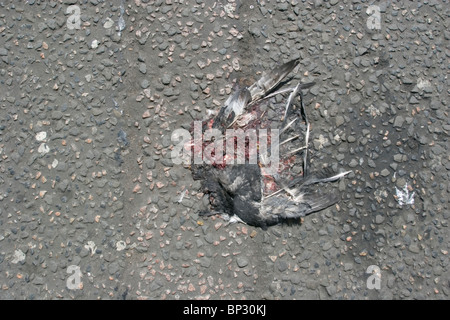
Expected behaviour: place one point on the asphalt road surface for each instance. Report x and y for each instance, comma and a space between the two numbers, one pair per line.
92, 206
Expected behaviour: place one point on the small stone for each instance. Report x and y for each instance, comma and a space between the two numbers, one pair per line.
331, 290
56, 115
414, 248
339, 121
94, 44
55, 163
176, 223
155, 285
150, 164
121, 245
62, 186
201, 64
398, 122
354, 99
282, 265
407, 80
41, 136
353, 163
108, 24
209, 238
143, 68
146, 114
400, 157
19, 256
205, 262
379, 218
169, 92
410, 218
283, 6
241, 262
347, 76
413, 100
44, 148
53, 266
165, 79
38, 280
348, 266
327, 246
74, 131
145, 84
84, 252
113, 268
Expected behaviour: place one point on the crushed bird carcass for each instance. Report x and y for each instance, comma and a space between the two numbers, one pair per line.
252, 158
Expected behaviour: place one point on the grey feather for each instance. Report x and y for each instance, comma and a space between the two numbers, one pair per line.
271, 79
234, 107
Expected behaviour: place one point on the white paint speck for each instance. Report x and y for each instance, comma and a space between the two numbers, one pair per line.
182, 196
90, 245
404, 196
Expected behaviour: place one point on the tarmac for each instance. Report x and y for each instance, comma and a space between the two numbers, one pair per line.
92, 206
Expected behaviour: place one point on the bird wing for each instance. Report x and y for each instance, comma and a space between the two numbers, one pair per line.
302, 196
237, 104
239, 189
286, 208
233, 108
271, 79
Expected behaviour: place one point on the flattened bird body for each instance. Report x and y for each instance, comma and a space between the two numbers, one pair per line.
247, 191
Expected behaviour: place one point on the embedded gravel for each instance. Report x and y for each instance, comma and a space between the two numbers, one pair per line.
92, 206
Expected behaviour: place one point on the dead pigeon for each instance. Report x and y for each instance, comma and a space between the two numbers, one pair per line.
238, 180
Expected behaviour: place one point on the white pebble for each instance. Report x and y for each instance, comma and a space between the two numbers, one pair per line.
19, 256
94, 44
108, 24
54, 163
41, 136
43, 148
120, 245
